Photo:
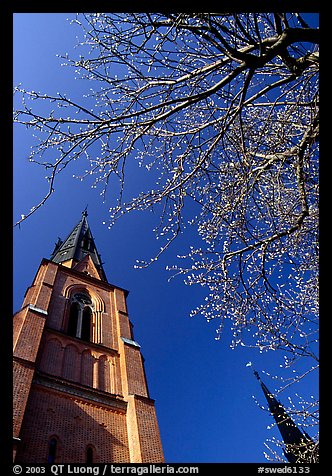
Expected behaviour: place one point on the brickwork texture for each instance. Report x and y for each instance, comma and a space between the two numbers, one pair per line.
87, 397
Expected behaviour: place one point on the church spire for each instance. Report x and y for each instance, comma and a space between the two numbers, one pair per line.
78, 244
299, 447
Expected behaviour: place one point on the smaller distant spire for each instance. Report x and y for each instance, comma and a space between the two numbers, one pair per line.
299, 447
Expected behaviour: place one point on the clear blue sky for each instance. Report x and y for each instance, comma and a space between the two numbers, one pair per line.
203, 389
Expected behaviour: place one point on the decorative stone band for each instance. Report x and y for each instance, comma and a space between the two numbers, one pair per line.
92, 395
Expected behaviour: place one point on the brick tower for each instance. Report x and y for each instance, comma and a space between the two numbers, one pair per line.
80, 392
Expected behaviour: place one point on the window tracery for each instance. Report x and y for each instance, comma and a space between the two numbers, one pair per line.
80, 316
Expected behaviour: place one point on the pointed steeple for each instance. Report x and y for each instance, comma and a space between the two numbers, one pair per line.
78, 244
299, 447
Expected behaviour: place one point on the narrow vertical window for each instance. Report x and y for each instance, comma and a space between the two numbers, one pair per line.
86, 324
89, 455
52, 450
73, 319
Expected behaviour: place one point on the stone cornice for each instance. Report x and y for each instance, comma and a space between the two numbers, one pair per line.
81, 392
149, 400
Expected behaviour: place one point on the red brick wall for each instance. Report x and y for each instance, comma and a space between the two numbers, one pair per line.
27, 336
135, 371
22, 378
30, 332
76, 424
107, 365
39, 295
148, 430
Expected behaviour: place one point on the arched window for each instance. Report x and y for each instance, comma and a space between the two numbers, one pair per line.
80, 317
89, 455
52, 450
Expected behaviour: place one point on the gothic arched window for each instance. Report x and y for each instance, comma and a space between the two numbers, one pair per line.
89, 455
52, 450
80, 317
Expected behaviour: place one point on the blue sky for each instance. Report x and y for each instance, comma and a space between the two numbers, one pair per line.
203, 389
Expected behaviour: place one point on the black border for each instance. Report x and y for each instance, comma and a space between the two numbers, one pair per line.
7, 10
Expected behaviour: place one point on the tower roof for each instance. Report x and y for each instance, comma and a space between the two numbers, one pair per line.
298, 444
78, 244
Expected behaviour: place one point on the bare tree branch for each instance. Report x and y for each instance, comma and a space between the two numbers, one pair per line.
219, 111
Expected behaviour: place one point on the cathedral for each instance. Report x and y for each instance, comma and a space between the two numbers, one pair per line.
80, 393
